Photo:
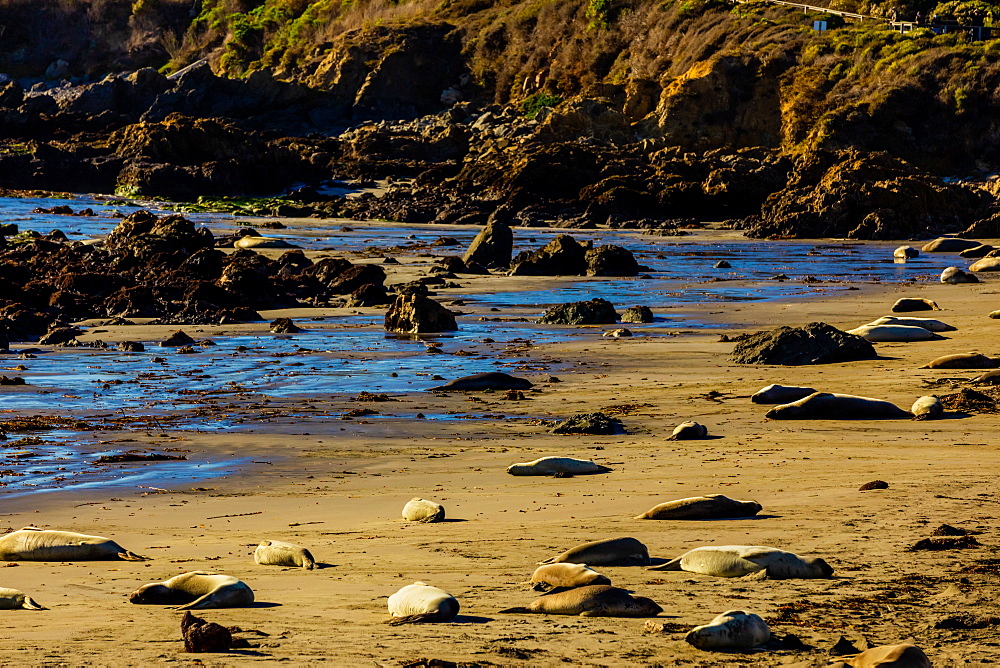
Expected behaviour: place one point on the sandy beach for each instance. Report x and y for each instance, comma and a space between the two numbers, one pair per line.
304, 474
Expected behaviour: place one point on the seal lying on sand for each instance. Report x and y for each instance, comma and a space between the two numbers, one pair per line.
262, 242
930, 324
420, 602
828, 406
613, 552
196, 590
711, 507
688, 431
422, 510
894, 333
34, 544
556, 465
955, 276
492, 380
988, 378
927, 408
734, 561
280, 553
558, 577
780, 394
733, 629
887, 656
962, 361
12, 599
592, 601
909, 304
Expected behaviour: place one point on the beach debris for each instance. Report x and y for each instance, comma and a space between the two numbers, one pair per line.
816, 343
138, 457
590, 423
945, 543
202, 636
874, 484
968, 400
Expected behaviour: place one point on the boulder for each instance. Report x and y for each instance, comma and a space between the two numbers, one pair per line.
178, 338
611, 261
637, 314
590, 423
563, 256
492, 247
371, 294
816, 343
954, 276
143, 234
597, 311
949, 245
417, 314
355, 277
284, 326
60, 336
202, 636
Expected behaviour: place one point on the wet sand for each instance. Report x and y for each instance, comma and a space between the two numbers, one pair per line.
337, 486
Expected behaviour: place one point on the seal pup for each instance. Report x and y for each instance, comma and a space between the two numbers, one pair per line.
929, 324
688, 431
196, 590
733, 629
559, 577
894, 333
12, 599
908, 304
711, 507
280, 553
927, 408
888, 656
591, 601
419, 602
954, 276
34, 544
261, 242
828, 406
780, 394
962, 361
612, 552
491, 380
734, 561
905, 253
422, 510
556, 466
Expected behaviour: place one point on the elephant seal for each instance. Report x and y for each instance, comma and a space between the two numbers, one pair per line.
888, 656
988, 378
905, 253
261, 242
909, 304
828, 406
557, 466
492, 380
732, 630
894, 333
196, 590
422, 510
993, 314
688, 431
949, 245
927, 408
986, 264
981, 250
558, 577
929, 324
711, 507
592, 601
954, 276
612, 552
12, 599
280, 553
420, 602
34, 544
734, 561
780, 394
962, 361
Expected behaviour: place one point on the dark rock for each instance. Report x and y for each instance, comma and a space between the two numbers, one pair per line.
947, 543
563, 256
416, 314
842, 647
453, 265
816, 343
143, 234
590, 423
948, 530
178, 338
492, 247
637, 314
60, 336
131, 347
355, 277
371, 294
966, 621
611, 261
597, 311
874, 484
446, 241
722, 264
327, 270
284, 326
202, 636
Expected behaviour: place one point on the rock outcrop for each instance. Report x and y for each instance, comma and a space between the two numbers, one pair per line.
597, 311
417, 314
816, 343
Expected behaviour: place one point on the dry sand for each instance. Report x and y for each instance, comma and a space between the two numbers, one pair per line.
338, 486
